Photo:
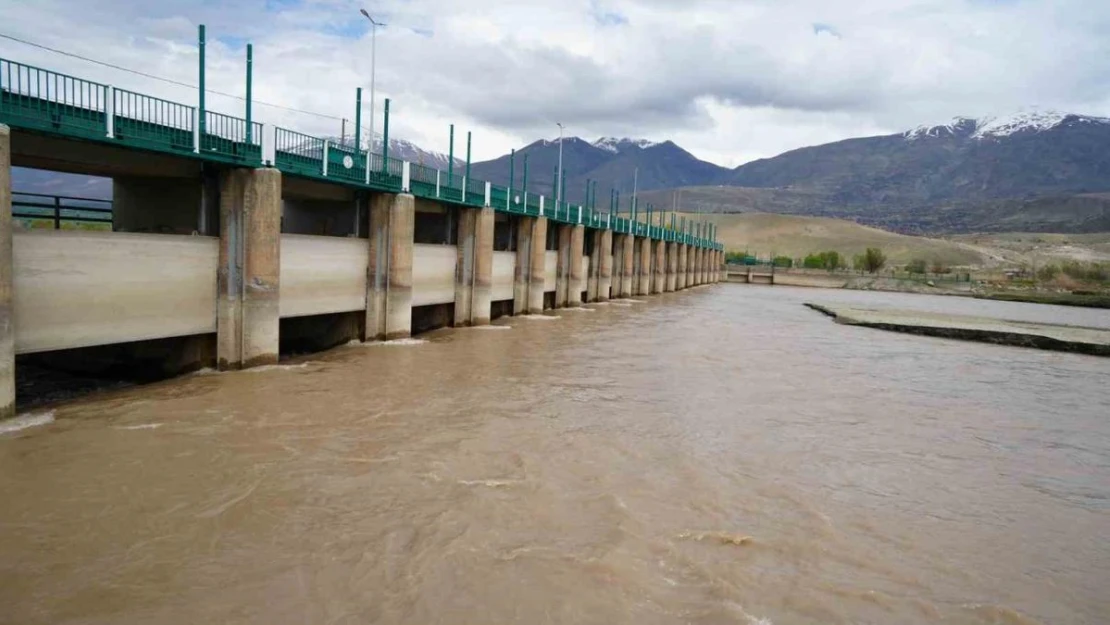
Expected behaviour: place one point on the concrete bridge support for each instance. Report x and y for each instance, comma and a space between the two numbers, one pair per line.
605, 277
690, 266
658, 266
248, 274
474, 268
576, 282
537, 252
680, 268
522, 272
625, 245
389, 272
568, 272
7, 325
592, 247
643, 283
672, 267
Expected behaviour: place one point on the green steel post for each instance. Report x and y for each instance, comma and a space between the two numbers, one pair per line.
385, 139
617, 201
250, 66
554, 181
467, 178
358, 120
588, 183
200, 108
524, 182
512, 175
451, 158
563, 189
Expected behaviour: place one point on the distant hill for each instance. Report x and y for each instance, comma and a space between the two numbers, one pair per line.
1020, 172
795, 236
614, 163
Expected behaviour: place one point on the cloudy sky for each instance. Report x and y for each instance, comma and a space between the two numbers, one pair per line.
729, 80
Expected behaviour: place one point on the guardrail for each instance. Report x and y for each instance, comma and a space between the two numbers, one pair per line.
61, 209
41, 100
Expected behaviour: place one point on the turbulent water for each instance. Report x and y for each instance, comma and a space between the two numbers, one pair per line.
722, 455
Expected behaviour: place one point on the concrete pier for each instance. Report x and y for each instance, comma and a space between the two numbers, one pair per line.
680, 268
563, 266
522, 272
672, 267
643, 281
592, 248
689, 266
474, 267
659, 267
7, 325
389, 272
576, 280
248, 277
605, 278
537, 253
626, 244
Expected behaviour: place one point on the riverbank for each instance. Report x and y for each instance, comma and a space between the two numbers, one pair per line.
1092, 341
928, 287
1085, 300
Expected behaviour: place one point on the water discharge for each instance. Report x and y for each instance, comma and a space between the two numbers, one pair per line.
722, 455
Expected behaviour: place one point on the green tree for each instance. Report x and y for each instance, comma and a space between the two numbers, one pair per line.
783, 261
873, 259
916, 265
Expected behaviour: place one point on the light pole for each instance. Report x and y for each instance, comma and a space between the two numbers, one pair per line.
373, 63
559, 175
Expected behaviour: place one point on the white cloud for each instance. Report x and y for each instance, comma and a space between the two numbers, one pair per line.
730, 80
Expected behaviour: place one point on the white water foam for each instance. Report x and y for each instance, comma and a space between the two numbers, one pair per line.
540, 317
625, 300
395, 342
141, 426
491, 327
265, 368
23, 422
261, 369
580, 309
489, 483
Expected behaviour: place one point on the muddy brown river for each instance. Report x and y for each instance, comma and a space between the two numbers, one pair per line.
722, 455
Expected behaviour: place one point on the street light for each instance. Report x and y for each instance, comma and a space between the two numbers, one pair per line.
559, 176
373, 63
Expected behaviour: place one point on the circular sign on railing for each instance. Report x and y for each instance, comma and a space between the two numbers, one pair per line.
516, 199
348, 162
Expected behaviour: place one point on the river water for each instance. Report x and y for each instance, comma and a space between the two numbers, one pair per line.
722, 455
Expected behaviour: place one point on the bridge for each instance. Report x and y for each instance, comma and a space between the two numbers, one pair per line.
228, 242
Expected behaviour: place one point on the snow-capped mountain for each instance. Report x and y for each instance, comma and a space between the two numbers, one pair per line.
999, 126
611, 162
616, 146
406, 151
953, 176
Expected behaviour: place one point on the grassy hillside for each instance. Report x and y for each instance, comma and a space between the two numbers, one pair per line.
793, 236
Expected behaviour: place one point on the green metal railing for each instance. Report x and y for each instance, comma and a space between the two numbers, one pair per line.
49, 101
226, 136
298, 153
147, 121
39, 210
44, 101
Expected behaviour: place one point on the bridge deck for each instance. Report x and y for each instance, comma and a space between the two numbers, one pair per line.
42, 101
